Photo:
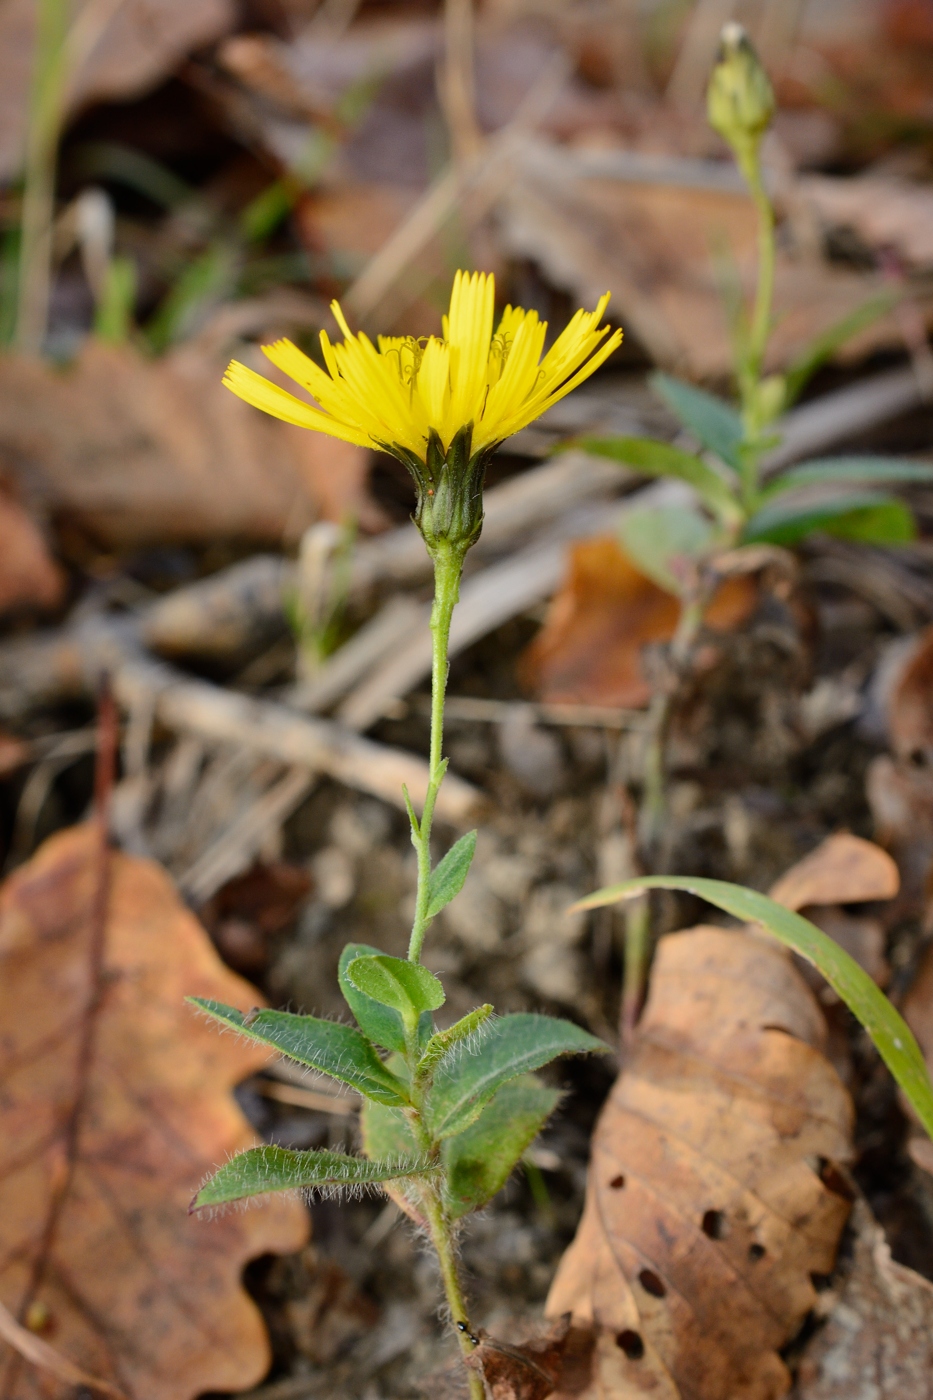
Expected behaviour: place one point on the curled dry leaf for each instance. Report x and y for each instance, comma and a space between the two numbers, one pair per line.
878, 1341
843, 869
559, 1362
589, 649
714, 1193
910, 703
116, 1103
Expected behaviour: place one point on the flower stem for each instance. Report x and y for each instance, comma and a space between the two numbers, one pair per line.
448, 565
442, 1241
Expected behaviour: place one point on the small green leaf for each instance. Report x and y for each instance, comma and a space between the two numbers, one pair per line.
888, 1030
327, 1046
656, 537
386, 1134
502, 1050
444, 1041
660, 459
711, 420
406, 987
259, 1170
380, 1023
849, 471
448, 875
479, 1160
865, 516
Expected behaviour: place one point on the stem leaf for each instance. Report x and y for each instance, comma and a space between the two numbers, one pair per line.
850, 471
327, 1046
502, 1050
480, 1160
259, 1170
661, 459
443, 1042
381, 1024
890, 1033
406, 987
710, 419
449, 874
865, 516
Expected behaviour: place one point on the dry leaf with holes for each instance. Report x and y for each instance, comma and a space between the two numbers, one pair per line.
589, 650
104, 1138
714, 1191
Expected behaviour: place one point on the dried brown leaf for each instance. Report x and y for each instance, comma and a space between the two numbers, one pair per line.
843, 869
910, 703
556, 1363
99, 1156
29, 577
878, 1341
713, 1194
589, 649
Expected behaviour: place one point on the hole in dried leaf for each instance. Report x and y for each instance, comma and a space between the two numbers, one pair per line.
756, 1252
617, 1182
631, 1344
834, 1181
651, 1283
821, 1282
715, 1225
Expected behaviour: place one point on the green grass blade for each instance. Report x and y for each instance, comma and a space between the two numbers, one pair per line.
888, 1029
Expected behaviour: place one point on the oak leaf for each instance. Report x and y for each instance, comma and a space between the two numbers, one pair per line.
713, 1193
589, 650
115, 1103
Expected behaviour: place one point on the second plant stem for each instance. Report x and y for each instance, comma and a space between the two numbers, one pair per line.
448, 565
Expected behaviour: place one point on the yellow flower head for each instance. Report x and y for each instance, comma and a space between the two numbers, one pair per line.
442, 405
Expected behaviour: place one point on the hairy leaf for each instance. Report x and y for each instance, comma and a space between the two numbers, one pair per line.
660, 459
480, 1160
379, 1023
710, 419
855, 470
505, 1048
406, 987
326, 1046
865, 516
655, 538
448, 875
260, 1170
890, 1033
444, 1042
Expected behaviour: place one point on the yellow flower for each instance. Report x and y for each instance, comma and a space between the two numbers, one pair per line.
393, 395
441, 404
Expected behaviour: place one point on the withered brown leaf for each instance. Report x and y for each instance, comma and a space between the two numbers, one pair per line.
713, 1193
97, 1251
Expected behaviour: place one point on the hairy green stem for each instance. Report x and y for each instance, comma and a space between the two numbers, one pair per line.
750, 372
442, 1240
448, 565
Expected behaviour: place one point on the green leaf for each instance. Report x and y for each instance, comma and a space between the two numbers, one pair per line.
327, 1046
825, 346
259, 1170
850, 471
711, 420
865, 516
480, 1160
502, 1050
888, 1030
656, 537
380, 1023
448, 875
406, 987
386, 1134
660, 459
443, 1042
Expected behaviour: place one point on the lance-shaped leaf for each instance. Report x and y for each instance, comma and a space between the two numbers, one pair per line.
406, 987
444, 1042
380, 1023
850, 471
480, 1160
864, 516
660, 540
824, 346
259, 1170
660, 459
326, 1046
710, 420
448, 875
505, 1048
891, 1034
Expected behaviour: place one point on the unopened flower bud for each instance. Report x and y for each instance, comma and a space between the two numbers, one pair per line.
740, 99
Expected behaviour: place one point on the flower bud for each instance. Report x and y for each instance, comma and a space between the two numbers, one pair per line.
740, 99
